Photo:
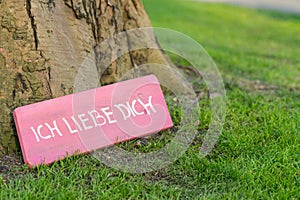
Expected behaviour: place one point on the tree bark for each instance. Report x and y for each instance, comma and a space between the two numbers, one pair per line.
43, 43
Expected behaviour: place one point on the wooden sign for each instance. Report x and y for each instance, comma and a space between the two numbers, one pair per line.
79, 123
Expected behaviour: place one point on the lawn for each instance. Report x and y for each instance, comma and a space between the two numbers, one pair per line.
258, 154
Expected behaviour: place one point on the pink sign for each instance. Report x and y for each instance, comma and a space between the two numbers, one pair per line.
79, 123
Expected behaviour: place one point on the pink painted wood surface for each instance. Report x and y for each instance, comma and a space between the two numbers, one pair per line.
79, 123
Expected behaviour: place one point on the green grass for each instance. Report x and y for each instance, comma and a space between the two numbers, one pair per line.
258, 153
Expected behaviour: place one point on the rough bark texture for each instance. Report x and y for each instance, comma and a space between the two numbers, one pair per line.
43, 43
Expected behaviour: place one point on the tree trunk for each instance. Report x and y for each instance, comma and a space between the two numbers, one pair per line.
43, 43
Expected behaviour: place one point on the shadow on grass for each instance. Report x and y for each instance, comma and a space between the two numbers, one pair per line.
282, 16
